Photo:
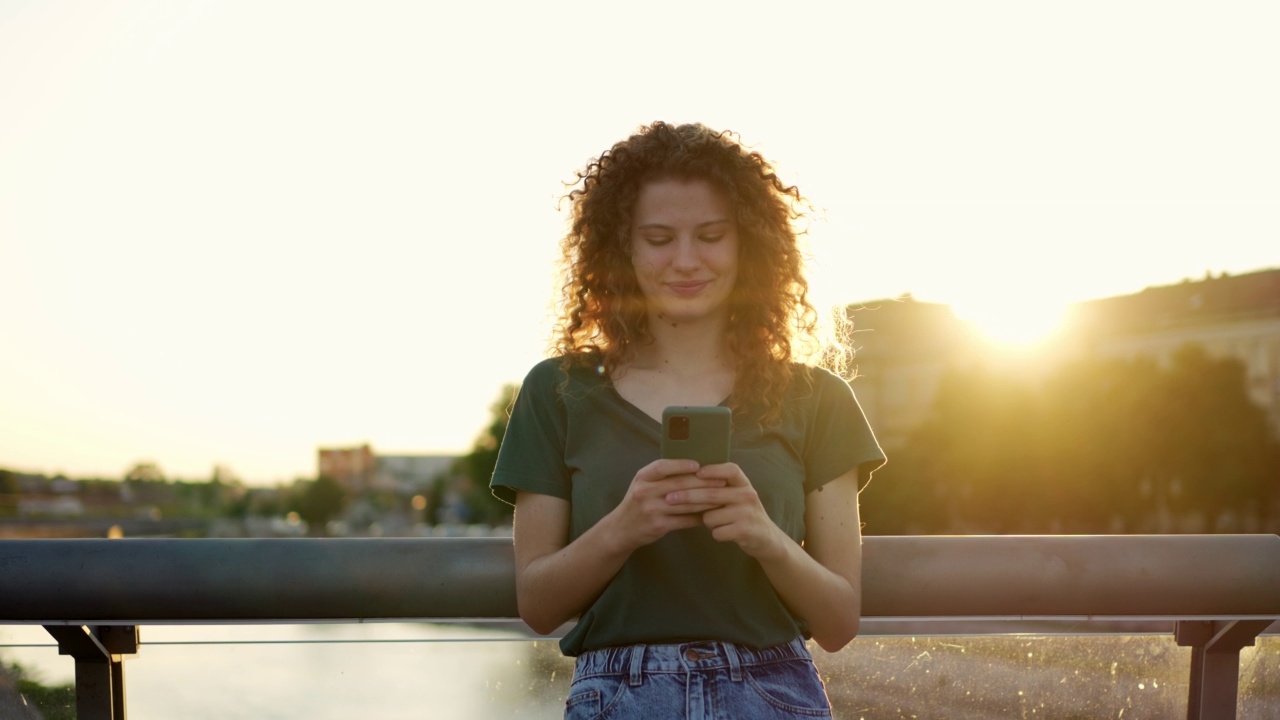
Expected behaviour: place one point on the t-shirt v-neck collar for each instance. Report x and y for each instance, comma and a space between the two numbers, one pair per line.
632, 408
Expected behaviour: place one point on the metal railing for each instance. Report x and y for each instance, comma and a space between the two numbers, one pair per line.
1215, 593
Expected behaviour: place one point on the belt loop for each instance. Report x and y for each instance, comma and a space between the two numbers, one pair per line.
735, 662
637, 665
800, 647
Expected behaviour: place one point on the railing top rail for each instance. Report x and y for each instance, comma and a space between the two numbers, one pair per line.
348, 579
1179, 576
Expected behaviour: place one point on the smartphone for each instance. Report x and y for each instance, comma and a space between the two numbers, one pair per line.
697, 432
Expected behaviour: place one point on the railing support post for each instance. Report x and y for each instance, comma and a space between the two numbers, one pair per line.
98, 652
1215, 663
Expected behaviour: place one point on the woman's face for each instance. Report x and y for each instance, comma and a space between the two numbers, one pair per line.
684, 248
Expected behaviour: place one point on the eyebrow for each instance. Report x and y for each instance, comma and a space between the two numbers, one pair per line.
699, 226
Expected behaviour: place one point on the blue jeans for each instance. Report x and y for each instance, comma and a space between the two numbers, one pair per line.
697, 681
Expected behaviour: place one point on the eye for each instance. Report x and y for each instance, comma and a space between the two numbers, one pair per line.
717, 237
657, 240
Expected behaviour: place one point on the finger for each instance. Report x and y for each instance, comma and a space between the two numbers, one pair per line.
694, 484
666, 467
690, 508
683, 522
686, 482
717, 517
729, 472
711, 497
724, 533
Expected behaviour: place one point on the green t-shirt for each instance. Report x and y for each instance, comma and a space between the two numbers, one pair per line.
581, 441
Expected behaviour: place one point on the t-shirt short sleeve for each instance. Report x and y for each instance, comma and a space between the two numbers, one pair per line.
838, 437
531, 456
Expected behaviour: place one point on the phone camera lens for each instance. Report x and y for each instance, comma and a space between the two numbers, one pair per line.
678, 428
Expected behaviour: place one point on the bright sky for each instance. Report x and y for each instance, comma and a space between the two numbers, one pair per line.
231, 232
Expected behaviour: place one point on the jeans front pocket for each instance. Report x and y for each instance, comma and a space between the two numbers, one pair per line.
582, 705
589, 697
791, 687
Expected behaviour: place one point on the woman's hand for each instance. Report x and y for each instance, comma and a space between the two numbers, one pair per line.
557, 579
732, 511
821, 581
645, 514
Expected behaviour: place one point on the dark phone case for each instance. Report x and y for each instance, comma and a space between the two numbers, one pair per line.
710, 428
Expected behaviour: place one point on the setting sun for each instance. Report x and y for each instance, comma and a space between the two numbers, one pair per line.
345, 231
1014, 323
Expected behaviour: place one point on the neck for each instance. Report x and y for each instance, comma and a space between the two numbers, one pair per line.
686, 348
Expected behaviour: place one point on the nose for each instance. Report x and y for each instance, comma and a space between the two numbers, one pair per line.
686, 255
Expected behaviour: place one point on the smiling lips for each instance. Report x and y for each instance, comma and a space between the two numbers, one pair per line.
688, 288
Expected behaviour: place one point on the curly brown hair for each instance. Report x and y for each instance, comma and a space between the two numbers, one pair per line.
603, 319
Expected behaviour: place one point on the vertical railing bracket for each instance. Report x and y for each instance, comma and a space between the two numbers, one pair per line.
99, 652
1215, 663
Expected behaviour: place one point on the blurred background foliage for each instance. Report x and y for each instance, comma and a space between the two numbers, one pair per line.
1097, 446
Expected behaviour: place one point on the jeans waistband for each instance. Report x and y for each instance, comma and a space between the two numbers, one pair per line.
635, 660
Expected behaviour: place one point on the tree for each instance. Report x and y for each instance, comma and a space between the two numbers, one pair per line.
223, 490
145, 483
477, 466
1217, 451
1101, 429
144, 472
1102, 445
968, 464
319, 501
8, 483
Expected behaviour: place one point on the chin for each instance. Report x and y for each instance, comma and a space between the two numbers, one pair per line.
686, 315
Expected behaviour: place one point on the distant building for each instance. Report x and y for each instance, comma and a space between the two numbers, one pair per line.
1235, 316
359, 469
354, 468
411, 473
58, 506
902, 349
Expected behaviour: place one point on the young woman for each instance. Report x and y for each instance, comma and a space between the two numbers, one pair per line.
694, 587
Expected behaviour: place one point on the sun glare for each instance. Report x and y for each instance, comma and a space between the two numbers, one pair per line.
1017, 325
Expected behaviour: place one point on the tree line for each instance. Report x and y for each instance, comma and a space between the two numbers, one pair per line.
1098, 446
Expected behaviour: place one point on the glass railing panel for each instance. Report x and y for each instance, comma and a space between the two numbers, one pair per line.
322, 671
1259, 695
33, 675
1008, 676
343, 671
